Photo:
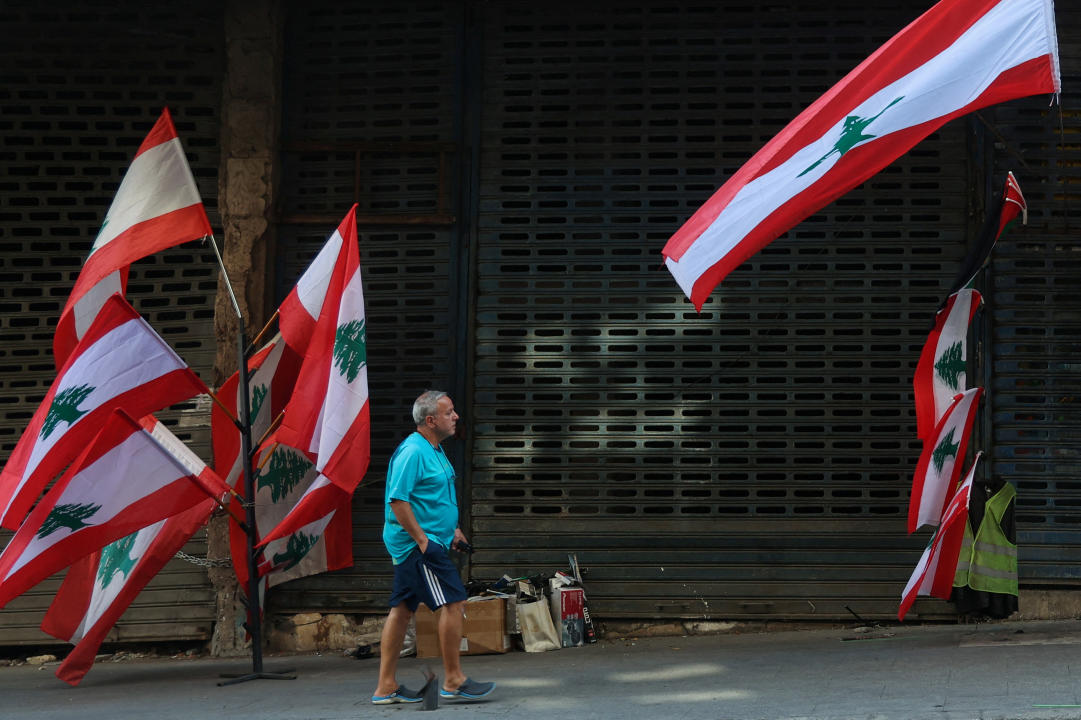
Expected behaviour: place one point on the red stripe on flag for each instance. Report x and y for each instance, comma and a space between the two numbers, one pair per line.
349, 462
139, 241
163, 131
72, 600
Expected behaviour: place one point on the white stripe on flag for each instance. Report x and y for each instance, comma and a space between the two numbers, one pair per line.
344, 400
176, 447
312, 286
158, 182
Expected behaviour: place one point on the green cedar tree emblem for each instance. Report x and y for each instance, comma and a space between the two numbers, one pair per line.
283, 473
950, 365
299, 545
258, 395
350, 349
851, 136
116, 558
65, 408
946, 448
70, 516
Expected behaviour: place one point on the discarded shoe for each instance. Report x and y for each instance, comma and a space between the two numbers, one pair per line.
401, 695
469, 690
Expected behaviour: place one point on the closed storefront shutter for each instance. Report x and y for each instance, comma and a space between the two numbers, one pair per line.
753, 460
1034, 326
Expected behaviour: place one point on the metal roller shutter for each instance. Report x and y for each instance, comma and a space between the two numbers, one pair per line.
1035, 398
751, 461
82, 83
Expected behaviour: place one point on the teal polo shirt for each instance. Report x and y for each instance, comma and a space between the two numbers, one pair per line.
422, 476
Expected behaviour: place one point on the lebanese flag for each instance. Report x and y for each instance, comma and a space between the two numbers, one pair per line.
959, 56
120, 363
125, 480
939, 465
156, 207
305, 538
301, 309
99, 587
940, 372
1000, 215
934, 573
273, 374
322, 545
330, 420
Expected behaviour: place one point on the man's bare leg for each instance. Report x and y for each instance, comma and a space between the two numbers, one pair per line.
450, 640
390, 648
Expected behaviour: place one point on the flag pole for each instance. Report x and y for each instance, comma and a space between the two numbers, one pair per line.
223, 408
255, 614
255, 341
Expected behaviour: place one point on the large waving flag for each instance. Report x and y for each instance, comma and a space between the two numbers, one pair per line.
120, 362
330, 420
940, 372
934, 573
99, 587
959, 56
939, 465
156, 207
125, 480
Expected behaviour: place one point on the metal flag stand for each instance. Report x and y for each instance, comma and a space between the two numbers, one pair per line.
254, 611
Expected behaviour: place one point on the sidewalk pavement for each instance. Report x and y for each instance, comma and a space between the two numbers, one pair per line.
1027, 670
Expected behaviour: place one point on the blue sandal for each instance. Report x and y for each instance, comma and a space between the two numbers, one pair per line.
401, 695
469, 690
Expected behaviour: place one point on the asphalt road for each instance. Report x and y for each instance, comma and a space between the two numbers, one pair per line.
901, 672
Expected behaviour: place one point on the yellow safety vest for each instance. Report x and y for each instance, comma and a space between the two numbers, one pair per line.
988, 560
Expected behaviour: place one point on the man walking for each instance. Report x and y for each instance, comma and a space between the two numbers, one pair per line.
420, 526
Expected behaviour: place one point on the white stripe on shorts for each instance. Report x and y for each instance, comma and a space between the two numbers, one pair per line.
434, 586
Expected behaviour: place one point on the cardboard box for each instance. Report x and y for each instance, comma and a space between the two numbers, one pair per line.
567, 615
484, 629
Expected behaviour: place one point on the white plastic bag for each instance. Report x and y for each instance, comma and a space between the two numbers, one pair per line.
538, 630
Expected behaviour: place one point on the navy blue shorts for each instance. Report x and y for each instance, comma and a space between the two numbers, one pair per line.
430, 578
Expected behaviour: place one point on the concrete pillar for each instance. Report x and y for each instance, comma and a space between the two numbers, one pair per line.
247, 188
